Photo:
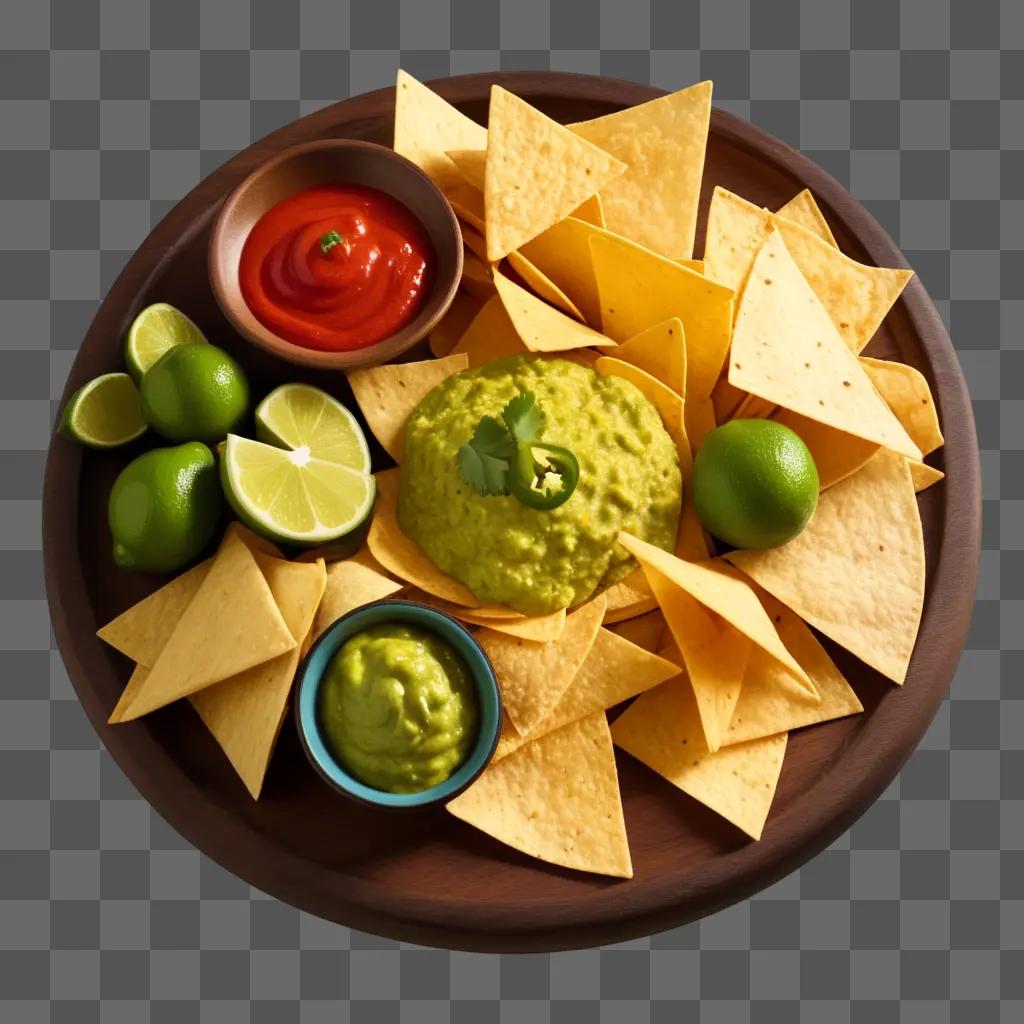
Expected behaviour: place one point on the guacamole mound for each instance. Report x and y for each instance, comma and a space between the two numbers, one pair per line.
539, 561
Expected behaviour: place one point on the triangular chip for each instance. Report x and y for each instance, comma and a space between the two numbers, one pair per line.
591, 210
660, 351
631, 596
556, 799
542, 327
720, 589
639, 288
388, 393
612, 672
534, 676
452, 326
542, 285
230, 625
661, 728
857, 571
468, 204
477, 276
836, 454
856, 296
142, 632
426, 126
786, 350
662, 143
924, 475
537, 172
907, 394
700, 421
473, 240
400, 555
646, 631
491, 335
471, 164
691, 540
803, 210
350, 584
538, 628
245, 712
772, 701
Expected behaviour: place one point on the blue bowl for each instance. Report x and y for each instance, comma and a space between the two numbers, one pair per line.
307, 704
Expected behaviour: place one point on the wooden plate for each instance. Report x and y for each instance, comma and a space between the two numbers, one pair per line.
426, 878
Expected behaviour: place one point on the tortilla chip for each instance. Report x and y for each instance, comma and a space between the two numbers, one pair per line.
612, 672
631, 596
691, 540
426, 126
639, 288
697, 266
662, 729
473, 240
786, 350
857, 571
924, 475
771, 701
542, 327
245, 712
253, 541
856, 297
452, 326
467, 203
477, 276
400, 555
719, 588
471, 164
350, 584
700, 421
388, 393
142, 631
837, 455
803, 210
556, 799
542, 285
591, 210
647, 631
231, 624
726, 399
534, 676
907, 394
490, 336
662, 143
660, 351
538, 628
537, 172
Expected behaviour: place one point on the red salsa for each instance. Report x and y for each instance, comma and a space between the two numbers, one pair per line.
336, 267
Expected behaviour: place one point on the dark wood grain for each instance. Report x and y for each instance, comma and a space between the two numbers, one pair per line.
426, 878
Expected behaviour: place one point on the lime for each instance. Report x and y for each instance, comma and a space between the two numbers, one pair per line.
164, 508
156, 329
755, 484
293, 497
297, 415
195, 393
104, 413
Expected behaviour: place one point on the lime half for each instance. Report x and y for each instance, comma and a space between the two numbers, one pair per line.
299, 416
104, 413
293, 497
155, 330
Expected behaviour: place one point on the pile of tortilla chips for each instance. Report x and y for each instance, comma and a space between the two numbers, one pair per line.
579, 244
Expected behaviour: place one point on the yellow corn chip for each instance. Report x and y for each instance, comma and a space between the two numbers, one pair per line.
591, 210
631, 596
471, 164
639, 288
426, 126
245, 712
697, 266
837, 455
726, 399
534, 676
662, 143
803, 210
786, 350
537, 172
473, 240
661, 728
388, 393
700, 421
350, 584
691, 540
907, 394
647, 631
400, 555
857, 571
557, 799
612, 672
452, 326
924, 475
467, 202
538, 628
231, 624
542, 327
542, 285
490, 336
660, 351
477, 276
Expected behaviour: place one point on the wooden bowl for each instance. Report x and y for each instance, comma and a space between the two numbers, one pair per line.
322, 162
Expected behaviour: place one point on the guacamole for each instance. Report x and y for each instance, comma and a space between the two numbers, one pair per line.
398, 708
537, 561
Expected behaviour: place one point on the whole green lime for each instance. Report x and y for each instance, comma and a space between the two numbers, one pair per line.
755, 484
195, 393
164, 508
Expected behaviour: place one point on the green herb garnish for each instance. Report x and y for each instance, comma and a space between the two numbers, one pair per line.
329, 241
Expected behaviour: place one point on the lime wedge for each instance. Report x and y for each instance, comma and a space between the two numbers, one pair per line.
293, 497
297, 416
104, 413
155, 330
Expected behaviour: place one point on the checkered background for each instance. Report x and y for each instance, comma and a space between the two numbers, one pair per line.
110, 110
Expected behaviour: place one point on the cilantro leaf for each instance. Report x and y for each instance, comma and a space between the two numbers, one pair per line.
524, 418
484, 461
